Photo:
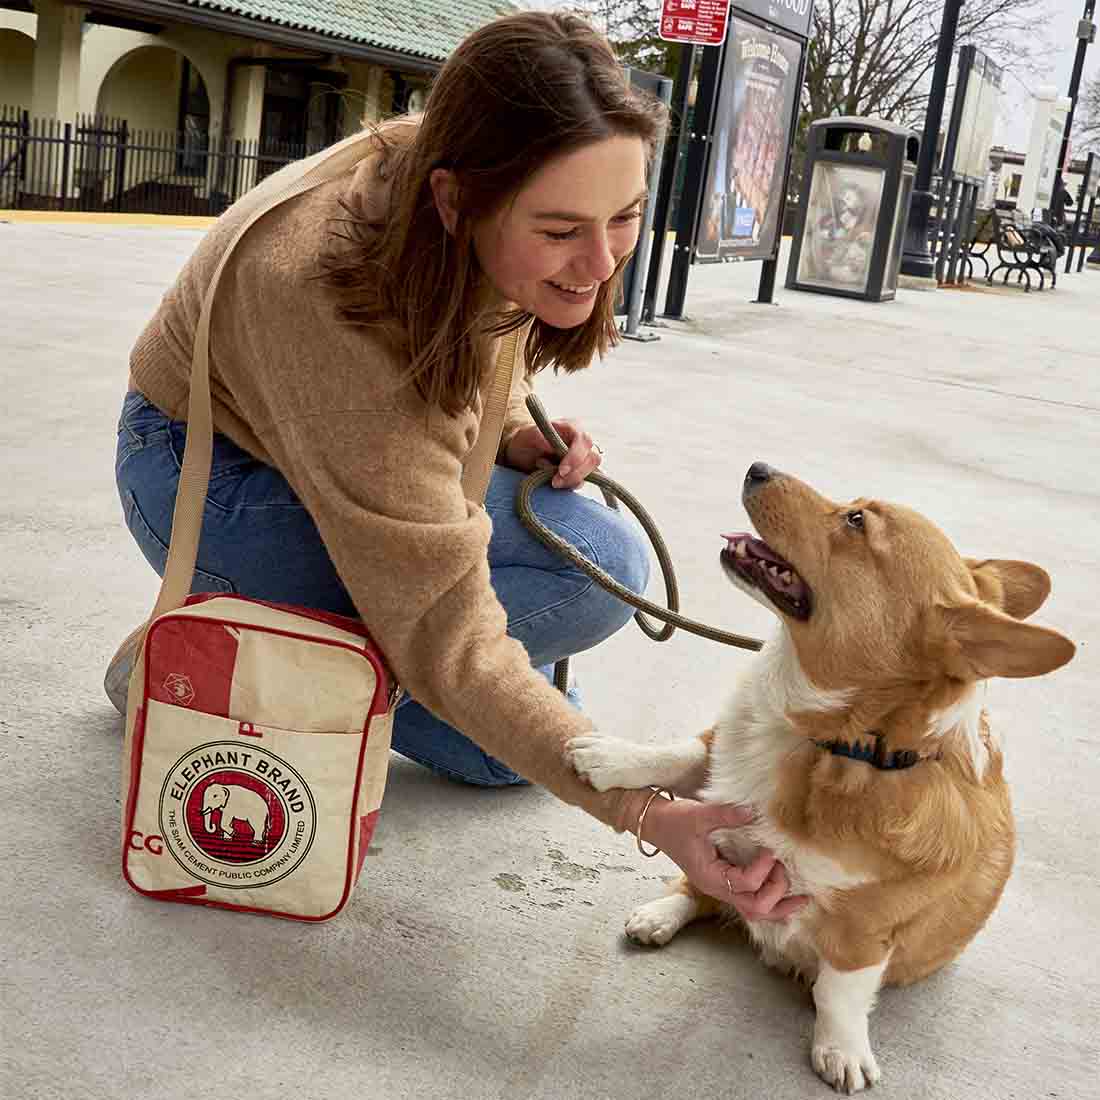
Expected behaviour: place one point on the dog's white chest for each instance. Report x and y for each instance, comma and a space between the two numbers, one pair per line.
745, 760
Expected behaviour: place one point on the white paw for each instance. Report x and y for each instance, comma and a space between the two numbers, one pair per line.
606, 762
656, 922
849, 1066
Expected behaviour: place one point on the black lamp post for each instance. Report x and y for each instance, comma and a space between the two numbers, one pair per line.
917, 259
1086, 33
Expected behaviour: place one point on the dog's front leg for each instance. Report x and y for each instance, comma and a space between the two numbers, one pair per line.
842, 1047
607, 762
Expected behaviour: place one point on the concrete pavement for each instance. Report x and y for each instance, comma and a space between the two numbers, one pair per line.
482, 955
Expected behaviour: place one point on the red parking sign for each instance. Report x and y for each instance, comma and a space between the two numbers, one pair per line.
699, 21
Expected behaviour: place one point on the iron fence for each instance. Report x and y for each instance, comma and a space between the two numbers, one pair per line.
98, 163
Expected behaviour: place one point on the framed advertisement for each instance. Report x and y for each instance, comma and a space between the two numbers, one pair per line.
1092, 175
746, 169
840, 226
973, 117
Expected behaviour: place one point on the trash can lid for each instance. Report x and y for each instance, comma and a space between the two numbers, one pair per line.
862, 123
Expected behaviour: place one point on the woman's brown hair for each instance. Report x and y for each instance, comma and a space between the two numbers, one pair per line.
515, 94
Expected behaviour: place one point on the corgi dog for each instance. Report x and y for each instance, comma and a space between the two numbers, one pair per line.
859, 738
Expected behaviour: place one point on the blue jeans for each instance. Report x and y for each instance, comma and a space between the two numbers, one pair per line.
258, 540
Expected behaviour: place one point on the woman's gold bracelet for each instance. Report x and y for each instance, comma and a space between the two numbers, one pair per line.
641, 819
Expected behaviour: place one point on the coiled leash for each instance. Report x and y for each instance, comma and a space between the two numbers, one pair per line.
613, 492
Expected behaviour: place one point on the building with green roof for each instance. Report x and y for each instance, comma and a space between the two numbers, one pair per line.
270, 74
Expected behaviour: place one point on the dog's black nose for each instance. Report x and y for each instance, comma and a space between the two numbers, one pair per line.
759, 473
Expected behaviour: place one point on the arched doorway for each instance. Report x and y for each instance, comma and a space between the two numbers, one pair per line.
153, 104
17, 71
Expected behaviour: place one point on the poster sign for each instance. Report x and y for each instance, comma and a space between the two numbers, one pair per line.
1092, 174
700, 21
839, 234
743, 183
792, 15
977, 99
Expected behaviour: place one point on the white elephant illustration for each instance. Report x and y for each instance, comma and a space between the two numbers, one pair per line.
236, 804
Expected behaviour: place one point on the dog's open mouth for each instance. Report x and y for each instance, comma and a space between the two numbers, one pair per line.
756, 564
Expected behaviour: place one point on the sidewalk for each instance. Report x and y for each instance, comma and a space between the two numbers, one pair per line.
482, 957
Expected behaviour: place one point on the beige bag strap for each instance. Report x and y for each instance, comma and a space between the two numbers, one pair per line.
478, 467
195, 473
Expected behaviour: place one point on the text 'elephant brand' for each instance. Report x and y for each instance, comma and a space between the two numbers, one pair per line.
235, 816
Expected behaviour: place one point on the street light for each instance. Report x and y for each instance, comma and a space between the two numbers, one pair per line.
917, 259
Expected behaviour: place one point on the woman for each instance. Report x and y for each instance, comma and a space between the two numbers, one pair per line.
350, 334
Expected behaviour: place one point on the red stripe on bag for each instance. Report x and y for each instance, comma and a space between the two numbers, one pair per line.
135, 772
189, 663
352, 626
366, 831
382, 699
177, 894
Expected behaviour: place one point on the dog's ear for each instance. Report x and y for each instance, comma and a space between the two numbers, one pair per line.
979, 642
1017, 587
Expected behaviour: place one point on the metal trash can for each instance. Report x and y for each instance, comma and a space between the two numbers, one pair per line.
853, 209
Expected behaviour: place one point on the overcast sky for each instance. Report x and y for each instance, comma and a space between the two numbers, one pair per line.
1014, 125
1015, 122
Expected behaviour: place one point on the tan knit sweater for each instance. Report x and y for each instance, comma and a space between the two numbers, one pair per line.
323, 402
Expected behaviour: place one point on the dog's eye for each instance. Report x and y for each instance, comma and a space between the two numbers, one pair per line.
855, 519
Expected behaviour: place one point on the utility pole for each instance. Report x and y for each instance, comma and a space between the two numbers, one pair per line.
1086, 35
917, 259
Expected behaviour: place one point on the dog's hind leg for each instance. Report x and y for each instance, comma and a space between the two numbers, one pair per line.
656, 922
607, 762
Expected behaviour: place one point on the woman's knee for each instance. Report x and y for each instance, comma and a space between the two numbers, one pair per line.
620, 550
627, 554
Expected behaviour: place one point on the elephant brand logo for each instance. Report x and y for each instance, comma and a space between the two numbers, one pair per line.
179, 688
234, 817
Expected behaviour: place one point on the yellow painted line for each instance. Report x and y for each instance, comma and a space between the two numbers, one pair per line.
70, 217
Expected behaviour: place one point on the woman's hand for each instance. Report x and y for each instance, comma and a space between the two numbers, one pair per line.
529, 450
682, 830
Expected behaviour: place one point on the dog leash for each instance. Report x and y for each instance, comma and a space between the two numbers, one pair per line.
613, 493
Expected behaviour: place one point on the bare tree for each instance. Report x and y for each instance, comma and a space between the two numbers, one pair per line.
866, 57
875, 57
631, 25
1086, 118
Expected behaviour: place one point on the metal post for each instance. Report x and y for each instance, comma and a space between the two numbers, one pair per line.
120, 163
687, 218
1095, 257
235, 182
946, 223
66, 154
961, 238
21, 179
1082, 196
674, 146
641, 259
1086, 33
765, 289
916, 259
